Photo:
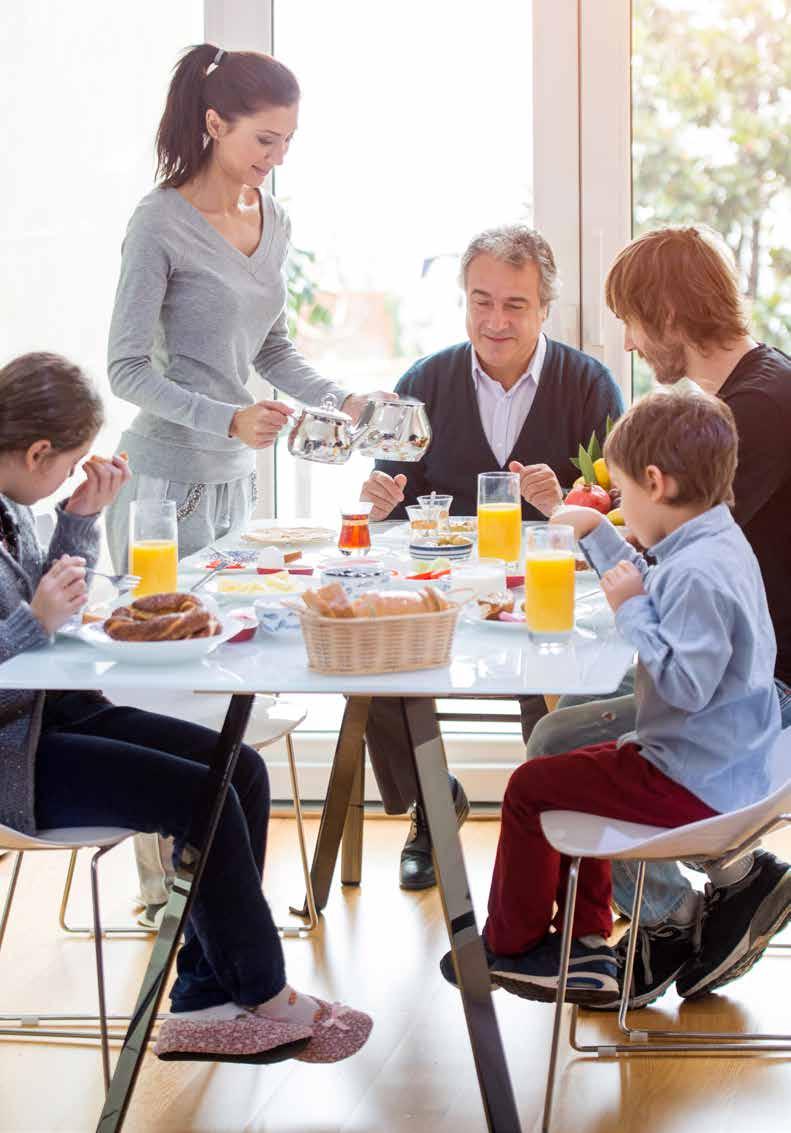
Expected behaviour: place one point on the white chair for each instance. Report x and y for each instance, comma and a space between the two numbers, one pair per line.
272, 719
28, 1023
723, 839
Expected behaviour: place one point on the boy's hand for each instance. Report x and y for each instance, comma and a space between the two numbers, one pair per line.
582, 519
61, 592
384, 492
539, 486
104, 480
621, 582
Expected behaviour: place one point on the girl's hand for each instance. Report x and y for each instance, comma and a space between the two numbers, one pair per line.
258, 425
539, 486
104, 480
620, 583
61, 593
582, 519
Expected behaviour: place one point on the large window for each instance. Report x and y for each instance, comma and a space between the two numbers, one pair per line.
81, 92
415, 132
711, 110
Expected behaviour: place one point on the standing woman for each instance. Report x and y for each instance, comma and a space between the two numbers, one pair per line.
201, 298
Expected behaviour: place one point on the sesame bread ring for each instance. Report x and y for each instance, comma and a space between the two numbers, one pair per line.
164, 627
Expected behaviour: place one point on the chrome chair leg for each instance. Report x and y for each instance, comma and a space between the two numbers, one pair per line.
640, 1041
310, 900
565, 954
86, 930
28, 1024
9, 897
97, 944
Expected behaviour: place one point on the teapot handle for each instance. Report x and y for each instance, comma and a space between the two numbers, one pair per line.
358, 431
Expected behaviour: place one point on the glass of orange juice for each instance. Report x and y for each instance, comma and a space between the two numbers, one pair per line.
499, 516
549, 581
153, 546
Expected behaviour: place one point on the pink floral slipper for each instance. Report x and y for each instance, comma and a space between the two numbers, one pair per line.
248, 1038
338, 1032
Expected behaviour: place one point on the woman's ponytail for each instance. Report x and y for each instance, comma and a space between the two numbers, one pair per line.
181, 137
234, 83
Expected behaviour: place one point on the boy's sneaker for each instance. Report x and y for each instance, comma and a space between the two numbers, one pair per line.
739, 920
661, 954
593, 972
449, 971
592, 975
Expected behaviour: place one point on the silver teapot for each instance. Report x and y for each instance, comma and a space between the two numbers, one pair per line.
386, 430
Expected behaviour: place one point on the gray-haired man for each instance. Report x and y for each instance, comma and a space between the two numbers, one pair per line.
506, 398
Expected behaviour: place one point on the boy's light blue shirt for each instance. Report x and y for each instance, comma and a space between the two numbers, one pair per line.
707, 709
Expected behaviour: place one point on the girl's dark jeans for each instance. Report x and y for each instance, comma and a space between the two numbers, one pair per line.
98, 765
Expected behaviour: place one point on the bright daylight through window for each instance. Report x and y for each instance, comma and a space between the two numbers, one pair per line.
711, 108
403, 152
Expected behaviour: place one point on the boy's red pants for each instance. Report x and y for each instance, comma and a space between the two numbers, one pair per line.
529, 876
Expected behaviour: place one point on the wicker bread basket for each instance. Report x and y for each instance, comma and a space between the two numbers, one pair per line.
378, 645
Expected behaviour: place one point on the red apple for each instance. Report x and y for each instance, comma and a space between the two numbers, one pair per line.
590, 495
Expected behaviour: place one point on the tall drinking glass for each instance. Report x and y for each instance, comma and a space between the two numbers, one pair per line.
153, 546
549, 581
499, 516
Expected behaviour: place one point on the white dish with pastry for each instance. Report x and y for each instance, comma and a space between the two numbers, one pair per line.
161, 629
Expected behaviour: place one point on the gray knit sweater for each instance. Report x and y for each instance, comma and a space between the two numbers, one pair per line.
21, 709
192, 315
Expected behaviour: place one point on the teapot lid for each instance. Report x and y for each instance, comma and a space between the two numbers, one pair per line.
327, 412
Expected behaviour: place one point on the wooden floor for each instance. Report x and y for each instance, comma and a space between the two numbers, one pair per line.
378, 949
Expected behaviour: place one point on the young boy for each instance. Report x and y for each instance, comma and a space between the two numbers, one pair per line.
707, 710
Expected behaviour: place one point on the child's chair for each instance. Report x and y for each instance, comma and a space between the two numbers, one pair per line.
724, 838
28, 1023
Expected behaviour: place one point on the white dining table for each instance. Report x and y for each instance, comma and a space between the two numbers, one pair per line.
487, 661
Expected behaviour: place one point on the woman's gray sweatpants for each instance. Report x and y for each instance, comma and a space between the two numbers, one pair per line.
205, 512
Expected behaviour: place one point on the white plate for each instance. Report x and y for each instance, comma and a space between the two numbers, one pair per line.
149, 652
299, 583
296, 536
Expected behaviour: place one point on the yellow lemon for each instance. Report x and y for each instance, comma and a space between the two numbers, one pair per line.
615, 515
602, 475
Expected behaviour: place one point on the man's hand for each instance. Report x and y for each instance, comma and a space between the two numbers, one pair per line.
539, 486
384, 492
258, 425
620, 583
582, 519
356, 402
61, 592
104, 479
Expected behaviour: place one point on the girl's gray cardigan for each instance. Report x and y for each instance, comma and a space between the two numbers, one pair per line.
21, 709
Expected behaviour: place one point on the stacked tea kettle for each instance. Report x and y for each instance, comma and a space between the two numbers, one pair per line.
386, 430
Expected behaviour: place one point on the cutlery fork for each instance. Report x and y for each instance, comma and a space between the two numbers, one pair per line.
120, 581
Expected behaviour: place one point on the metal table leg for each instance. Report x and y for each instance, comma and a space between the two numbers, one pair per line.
473, 975
352, 847
336, 804
193, 856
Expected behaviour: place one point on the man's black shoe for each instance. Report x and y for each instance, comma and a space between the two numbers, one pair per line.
661, 954
739, 920
417, 868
